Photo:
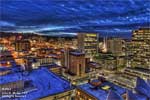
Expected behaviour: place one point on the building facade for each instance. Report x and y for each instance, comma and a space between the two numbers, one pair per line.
77, 63
116, 46
88, 44
139, 48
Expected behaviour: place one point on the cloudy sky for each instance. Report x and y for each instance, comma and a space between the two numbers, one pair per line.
56, 17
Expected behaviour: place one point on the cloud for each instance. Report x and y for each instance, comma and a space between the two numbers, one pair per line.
6, 24
50, 16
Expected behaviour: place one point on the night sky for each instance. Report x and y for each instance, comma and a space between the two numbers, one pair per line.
57, 17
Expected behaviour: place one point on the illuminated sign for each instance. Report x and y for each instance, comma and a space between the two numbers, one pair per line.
91, 35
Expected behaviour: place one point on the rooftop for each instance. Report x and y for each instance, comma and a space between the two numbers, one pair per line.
114, 96
2, 69
133, 96
52, 65
12, 77
144, 70
142, 87
102, 91
43, 80
13, 69
94, 64
76, 53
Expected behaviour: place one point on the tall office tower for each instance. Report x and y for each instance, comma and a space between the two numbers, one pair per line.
88, 44
140, 48
22, 45
116, 46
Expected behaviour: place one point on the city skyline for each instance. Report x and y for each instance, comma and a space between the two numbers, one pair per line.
74, 50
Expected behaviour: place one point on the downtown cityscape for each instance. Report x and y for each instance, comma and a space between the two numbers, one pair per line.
74, 50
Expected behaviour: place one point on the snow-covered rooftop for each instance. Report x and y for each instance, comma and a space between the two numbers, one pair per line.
47, 83
100, 93
114, 96
133, 96
142, 87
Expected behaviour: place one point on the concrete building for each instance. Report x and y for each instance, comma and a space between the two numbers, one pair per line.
88, 44
77, 63
139, 48
44, 60
138, 72
34, 62
116, 46
110, 61
75, 66
54, 68
74, 61
129, 76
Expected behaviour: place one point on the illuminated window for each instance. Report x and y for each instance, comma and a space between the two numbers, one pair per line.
78, 93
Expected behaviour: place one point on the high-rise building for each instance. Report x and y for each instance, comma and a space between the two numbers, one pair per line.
139, 48
88, 44
77, 63
74, 61
116, 46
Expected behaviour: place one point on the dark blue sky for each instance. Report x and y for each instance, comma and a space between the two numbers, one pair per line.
70, 16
